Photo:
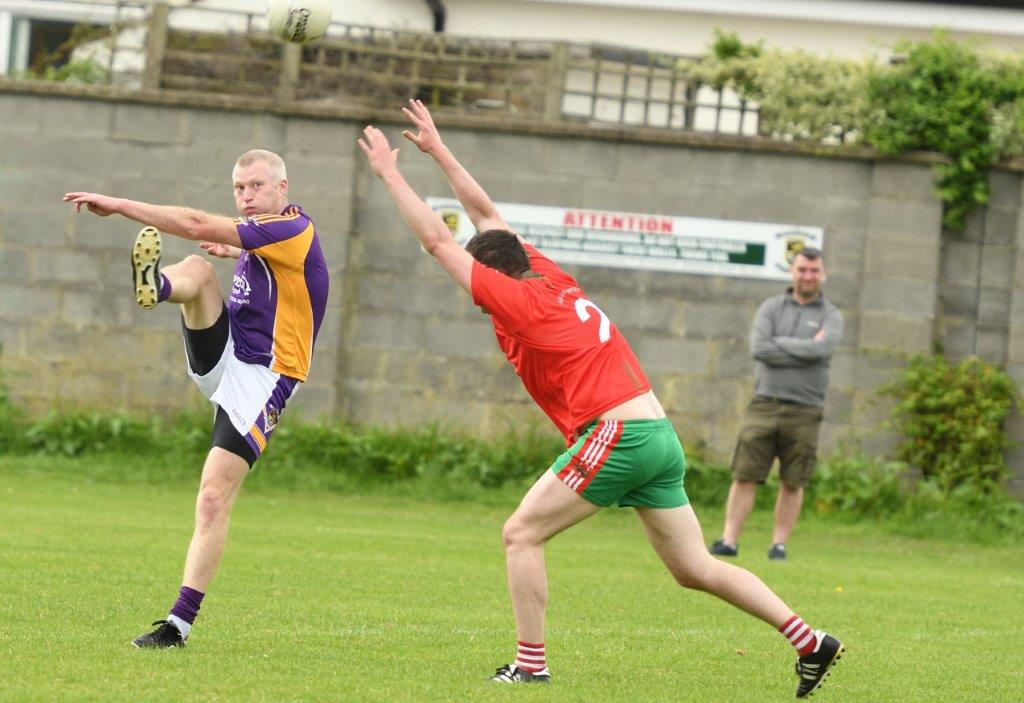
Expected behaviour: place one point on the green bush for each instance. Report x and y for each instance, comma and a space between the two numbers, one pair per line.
854, 487
453, 465
377, 454
964, 512
61, 65
707, 485
938, 95
857, 485
334, 456
86, 71
799, 95
338, 454
951, 418
76, 433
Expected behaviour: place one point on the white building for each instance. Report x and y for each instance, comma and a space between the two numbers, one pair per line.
841, 27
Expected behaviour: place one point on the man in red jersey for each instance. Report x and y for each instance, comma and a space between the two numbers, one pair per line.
622, 450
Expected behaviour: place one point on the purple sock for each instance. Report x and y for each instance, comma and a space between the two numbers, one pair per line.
187, 605
164, 294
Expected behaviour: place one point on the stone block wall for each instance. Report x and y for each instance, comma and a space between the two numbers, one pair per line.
402, 345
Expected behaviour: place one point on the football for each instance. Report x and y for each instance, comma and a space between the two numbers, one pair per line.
299, 20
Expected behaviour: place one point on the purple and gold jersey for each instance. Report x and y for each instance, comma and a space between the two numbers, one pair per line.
279, 292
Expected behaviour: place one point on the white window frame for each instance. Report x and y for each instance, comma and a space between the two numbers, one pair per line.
6, 26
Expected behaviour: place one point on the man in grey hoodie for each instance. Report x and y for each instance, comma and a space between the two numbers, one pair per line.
794, 337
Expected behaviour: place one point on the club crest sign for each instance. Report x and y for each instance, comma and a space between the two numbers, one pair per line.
793, 242
451, 221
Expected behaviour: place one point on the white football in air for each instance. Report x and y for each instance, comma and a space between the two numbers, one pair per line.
299, 20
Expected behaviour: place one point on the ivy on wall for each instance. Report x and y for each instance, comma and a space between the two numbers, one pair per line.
958, 99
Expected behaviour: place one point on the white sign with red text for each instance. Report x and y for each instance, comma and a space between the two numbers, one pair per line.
647, 241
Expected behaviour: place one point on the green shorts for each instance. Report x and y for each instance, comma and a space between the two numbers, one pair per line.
635, 463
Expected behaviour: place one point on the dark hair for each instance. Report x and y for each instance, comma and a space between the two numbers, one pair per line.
501, 250
810, 253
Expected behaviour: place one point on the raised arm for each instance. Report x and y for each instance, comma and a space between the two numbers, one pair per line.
426, 224
473, 197
183, 222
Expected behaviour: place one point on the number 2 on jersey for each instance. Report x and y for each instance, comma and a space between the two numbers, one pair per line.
604, 332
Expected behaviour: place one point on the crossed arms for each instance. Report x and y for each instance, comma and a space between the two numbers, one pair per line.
793, 351
426, 224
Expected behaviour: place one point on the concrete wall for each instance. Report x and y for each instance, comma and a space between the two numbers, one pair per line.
402, 344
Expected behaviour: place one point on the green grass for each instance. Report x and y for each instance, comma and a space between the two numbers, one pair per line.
378, 597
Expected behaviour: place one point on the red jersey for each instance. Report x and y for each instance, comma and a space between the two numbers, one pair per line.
572, 360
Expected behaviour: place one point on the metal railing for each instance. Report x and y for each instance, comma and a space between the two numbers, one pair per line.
231, 52
632, 87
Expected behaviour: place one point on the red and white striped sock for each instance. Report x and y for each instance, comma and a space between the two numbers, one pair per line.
530, 657
800, 635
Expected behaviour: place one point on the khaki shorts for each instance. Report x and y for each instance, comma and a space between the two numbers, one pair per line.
773, 428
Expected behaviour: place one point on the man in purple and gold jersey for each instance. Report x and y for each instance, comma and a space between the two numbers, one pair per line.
247, 356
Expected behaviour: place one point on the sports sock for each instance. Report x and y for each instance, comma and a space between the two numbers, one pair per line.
165, 289
800, 635
530, 657
185, 609
183, 627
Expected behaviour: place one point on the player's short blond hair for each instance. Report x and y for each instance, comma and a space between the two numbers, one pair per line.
274, 162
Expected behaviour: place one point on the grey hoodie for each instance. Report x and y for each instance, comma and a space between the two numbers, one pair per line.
789, 364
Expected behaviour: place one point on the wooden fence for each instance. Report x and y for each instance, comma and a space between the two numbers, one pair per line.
552, 81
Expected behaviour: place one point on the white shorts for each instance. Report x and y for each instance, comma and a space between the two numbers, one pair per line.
251, 395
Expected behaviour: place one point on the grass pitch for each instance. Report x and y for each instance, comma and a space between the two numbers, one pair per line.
377, 598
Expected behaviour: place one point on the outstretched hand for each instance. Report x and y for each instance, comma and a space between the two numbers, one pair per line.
375, 145
428, 138
223, 251
102, 205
